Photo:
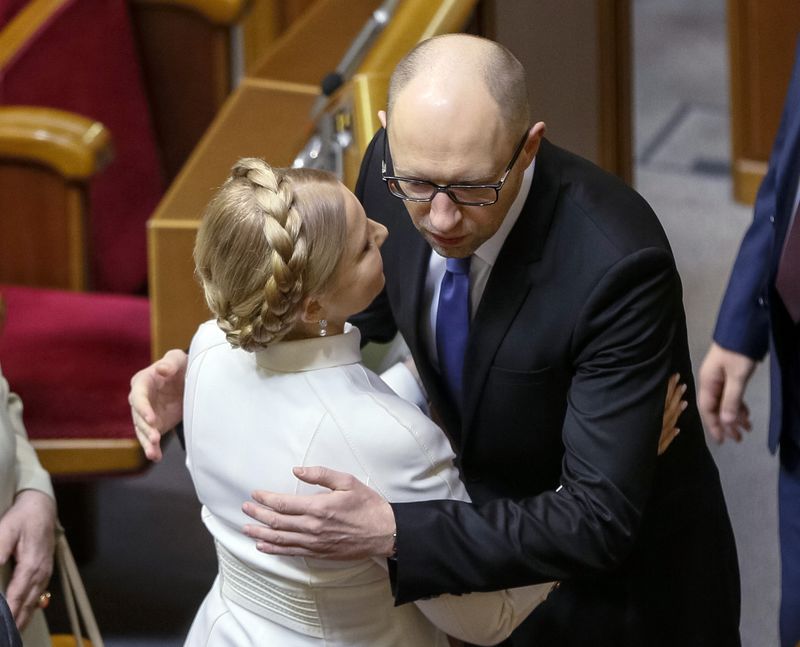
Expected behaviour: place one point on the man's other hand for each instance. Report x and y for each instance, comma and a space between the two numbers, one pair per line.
352, 521
723, 380
156, 399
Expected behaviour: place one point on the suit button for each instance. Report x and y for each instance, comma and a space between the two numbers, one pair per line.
772, 219
761, 301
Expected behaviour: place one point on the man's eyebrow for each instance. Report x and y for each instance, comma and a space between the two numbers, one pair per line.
486, 179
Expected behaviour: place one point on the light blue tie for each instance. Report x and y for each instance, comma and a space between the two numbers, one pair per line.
452, 324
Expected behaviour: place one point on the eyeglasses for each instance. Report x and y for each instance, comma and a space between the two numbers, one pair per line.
473, 195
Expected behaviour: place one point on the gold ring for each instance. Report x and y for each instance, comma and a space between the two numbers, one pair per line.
44, 600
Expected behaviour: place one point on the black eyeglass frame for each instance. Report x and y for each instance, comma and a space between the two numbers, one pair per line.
448, 188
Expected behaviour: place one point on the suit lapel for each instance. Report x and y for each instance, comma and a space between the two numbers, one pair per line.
509, 283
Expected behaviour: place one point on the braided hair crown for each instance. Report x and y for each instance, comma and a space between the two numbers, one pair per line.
252, 251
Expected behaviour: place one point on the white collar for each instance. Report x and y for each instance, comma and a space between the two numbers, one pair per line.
489, 251
312, 353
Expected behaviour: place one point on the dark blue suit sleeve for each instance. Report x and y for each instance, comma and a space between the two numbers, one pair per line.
743, 320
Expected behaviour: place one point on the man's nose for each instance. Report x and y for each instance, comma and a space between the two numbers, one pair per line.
444, 214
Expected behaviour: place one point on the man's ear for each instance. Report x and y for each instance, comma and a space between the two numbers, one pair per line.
531, 147
382, 117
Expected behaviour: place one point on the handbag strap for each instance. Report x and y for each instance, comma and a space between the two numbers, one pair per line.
77, 602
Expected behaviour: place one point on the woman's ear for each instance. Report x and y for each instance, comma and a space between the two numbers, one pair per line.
312, 311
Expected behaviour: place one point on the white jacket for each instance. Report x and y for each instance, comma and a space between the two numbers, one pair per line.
249, 418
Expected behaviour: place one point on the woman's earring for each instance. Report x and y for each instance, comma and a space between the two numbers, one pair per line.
323, 327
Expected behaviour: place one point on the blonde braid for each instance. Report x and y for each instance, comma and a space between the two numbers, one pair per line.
283, 230
252, 251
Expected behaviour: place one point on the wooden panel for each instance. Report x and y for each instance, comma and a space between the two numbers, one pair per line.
614, 71
186, 64
328, 26
220, 12
37, 226
47, 158
176, 299
762, 36
415, 20
578, 68
265, 22
356, 109
89, 458
261, 119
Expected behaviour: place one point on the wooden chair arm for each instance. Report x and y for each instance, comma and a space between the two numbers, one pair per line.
73, 146
17, 33
220, 12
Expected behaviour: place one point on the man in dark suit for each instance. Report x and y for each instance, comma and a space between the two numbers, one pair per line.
575, 323
761, 311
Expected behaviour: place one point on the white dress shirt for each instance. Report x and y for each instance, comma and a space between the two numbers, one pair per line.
249, 418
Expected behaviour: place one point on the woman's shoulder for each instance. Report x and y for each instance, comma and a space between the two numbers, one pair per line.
356, 394
208, 335
377, 422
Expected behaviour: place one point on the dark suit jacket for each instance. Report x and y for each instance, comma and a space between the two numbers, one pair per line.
752, 317
579, 327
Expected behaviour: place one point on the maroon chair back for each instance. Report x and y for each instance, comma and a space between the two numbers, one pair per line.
9, 9
84, 60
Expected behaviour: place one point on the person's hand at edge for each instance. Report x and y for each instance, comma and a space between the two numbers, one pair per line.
27, 532
352, 521
674, 405
724, 375
156, 399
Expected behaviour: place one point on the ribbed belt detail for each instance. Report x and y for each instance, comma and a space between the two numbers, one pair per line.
292, 608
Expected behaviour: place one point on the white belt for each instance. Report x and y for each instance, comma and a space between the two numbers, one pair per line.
292, 608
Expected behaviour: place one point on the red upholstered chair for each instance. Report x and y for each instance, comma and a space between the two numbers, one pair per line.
73, 216
70, 357
68, 354
65, 225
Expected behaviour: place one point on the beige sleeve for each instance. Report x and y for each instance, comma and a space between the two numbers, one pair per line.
30, 474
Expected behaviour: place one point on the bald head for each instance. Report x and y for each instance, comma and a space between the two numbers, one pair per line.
459, 66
